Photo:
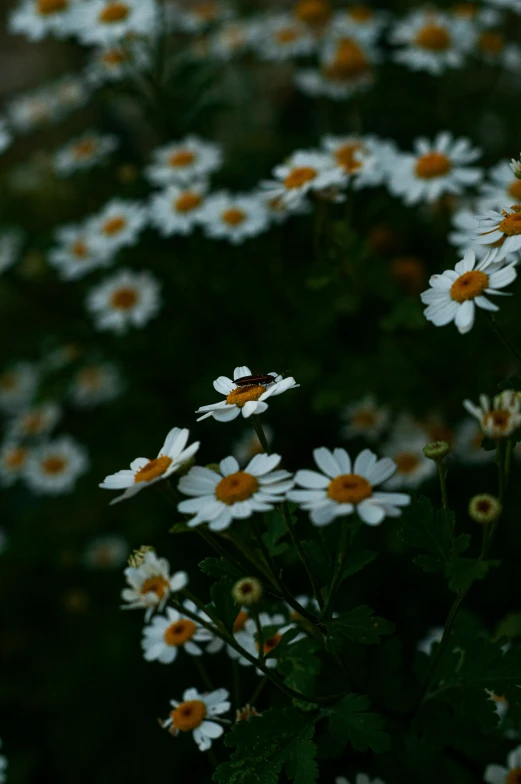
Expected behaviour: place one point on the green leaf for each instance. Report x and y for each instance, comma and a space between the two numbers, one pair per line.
510, 626
265, 744
318, 557
276, 530
298, 664
180, 528
357, 561
223, 603
425, 528
461, 572
351, 722
358, 625
218, 567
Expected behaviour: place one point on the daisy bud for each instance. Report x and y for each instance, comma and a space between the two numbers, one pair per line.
246, 713
516, 168
137, 556
247, 591
436, 450
484, 508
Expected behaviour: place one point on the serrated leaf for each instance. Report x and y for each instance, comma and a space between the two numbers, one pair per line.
299, 665
218, 567
461, 572
267, 743
358, 625
350, 722
276, 529
223, 603
425, 528
318, 558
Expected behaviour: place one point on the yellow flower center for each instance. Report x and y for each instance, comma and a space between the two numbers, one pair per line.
511, 224
350, 61
181, 158
79, 249
432, 164
498, 420
85, 148
48, 7
236, 487
124, 298
345, 156
465, 10
240, 396
54, 464
114, 57
114, 225
187, 202
32, 424
207, 12
407, 462
286, 35
514, 776
180, 632
300, 176
349, 489
271, 643
469, 285
360, 13
153, 469
16, 457
364, 418
90, 378
157, 584
188, 715
514, 189
491, 43
233, 216
238, 624
312, 12
433, 37
114, 12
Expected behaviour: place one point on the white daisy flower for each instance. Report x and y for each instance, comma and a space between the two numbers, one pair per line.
282, 37
365, 418
244, 397
144, 472
434, 168
247, 639
232, 39
198, 713
499, 774
151, 584
196, 16
10, 244
106, 552
117, 226
104, 22
361, 778
343, 489
248, 445
3, 766
360, 21
114, 63
54, 467
234, 217
501, 189
77, 252
430, 41
68, 93
96, 383
32, 110
466, 234
499, 418
468, 444
499, 232
84, 152
17, 386
405, 447
455, 294
492, 47
432, 636
5, 136
231, 493
13, 457
472, 13
346, 67
366, 160
304, 172
183, 162
34, 422
37, 19
166, 634
178, 208
127, 299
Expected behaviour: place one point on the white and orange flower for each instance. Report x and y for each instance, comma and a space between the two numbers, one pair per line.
127, 299
198, 713
54, 467
151, 584
183, 162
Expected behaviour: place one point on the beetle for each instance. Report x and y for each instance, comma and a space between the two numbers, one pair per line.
246, 381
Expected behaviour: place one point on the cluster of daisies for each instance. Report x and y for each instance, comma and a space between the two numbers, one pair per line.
30, 450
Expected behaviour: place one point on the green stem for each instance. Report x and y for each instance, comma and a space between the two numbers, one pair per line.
442, 476
203, 672
503, 338
260, 633
337, 574
258, 690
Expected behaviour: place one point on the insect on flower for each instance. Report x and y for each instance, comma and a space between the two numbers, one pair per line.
246, 381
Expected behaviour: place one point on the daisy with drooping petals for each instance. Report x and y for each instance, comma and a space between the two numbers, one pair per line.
96, 383
5, 136
163, 638
499, 418
231, 493
76, 254
177, 209
198, 713
38, 18
247, 637
501, 189
106, 552
303, 173
468, 444
430, 41
10, 244
13, 457
343, 489
405, 448
35, 422
455, 294
361, 778
365, 418
246, 399
366, 160
510, 774
117, 226
17, 386
127, 299
234, 217
434, 168
83, 153
499, 232
151, 584
54, 467
282, 37
189, 160
144, 472
106, 21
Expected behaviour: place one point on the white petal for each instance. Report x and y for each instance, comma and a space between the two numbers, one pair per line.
224, 385
229, 466
240, 372
364, 462
465, 316
326, 462
262, 464
311, 479
370, 512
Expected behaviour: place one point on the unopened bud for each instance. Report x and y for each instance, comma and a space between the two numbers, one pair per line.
138, 556
484, 508
436, 450
247, 591
246, 713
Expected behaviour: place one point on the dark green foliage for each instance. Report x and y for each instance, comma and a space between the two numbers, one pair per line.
358, 625
223, 603
351, 722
